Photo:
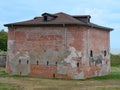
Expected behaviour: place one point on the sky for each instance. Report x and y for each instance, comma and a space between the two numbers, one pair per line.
103, 12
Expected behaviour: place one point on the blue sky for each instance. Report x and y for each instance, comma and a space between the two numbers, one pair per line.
103, 12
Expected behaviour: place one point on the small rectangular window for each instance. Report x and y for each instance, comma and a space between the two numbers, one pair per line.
47, 63
54, 75
56, 63
27, 61
91, 53
78, 64
19, 61
105, 52
20, 73
37, 62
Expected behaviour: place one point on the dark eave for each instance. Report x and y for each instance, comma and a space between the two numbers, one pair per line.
100, 27
62, 24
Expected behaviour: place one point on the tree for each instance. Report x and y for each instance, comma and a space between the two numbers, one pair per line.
3, 40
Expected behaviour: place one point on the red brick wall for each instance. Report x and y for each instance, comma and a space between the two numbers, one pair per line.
43, 44
32, 38
99, 39
98, 42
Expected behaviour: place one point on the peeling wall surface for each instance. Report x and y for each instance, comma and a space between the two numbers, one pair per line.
58, 52
2, 60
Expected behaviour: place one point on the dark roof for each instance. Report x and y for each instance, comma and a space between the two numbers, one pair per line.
58, 19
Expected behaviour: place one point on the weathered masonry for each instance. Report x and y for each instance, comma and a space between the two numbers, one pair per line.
58, 46
2, 60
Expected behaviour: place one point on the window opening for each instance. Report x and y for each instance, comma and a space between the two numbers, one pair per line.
27, 61
20, 73
47, 63
78, 64
37, 62
105, 53
91, 53
54, 75
19, 61
56, 63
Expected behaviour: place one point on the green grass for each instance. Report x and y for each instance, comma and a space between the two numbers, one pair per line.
103, 88
115, 60
4, 74
16, 82
115, 69
115, 74
8, 86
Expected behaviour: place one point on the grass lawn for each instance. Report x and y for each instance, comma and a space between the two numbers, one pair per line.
8, 86
109, 82
115, 74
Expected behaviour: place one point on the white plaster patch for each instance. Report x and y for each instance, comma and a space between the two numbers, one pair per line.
105, 70
79, 76
70, 58
10, 44
22, 66
24, 56
79, 54
96, 73
61, 69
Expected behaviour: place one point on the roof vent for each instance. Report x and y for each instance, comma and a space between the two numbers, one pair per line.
45, 18
48, 17
83, 18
